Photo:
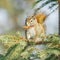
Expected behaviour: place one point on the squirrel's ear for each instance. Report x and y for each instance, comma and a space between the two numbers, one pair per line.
29, 17
40, 17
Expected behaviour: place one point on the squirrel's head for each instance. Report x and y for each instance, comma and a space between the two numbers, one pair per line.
31, 20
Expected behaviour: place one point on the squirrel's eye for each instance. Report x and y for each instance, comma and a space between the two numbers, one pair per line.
30, 20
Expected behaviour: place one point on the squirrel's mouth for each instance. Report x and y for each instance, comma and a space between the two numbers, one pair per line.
27, 27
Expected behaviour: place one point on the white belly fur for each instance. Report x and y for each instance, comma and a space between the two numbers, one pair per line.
31, 32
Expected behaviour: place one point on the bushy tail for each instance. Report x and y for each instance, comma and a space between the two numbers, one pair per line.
40, 17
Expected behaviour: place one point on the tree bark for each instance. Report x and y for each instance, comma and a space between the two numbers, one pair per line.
59, 16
